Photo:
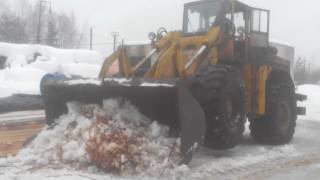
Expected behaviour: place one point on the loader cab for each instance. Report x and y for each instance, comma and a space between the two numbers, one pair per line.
200, 16
245, 26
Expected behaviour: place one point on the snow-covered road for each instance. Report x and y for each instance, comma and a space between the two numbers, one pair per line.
298, 160
253, 161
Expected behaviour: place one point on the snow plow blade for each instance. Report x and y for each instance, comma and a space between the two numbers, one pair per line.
168, 102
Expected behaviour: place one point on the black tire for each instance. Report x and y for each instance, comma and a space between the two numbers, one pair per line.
278, 125
219, 90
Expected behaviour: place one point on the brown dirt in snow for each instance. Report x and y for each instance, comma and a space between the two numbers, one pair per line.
16, 128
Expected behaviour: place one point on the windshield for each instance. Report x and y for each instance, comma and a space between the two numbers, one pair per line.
199, 17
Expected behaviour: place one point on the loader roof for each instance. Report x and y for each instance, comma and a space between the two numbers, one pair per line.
240, 5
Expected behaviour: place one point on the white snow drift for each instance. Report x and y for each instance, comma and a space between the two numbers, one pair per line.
23, 73
312, 103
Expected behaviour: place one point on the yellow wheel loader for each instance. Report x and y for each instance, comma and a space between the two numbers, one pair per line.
204, 82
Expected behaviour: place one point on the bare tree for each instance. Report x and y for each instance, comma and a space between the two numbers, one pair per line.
21, 24
12, 28
67, 30
4, 7
52, 32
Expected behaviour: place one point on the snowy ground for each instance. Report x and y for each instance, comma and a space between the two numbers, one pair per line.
298, 160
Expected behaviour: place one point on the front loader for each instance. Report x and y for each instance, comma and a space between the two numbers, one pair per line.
203, 82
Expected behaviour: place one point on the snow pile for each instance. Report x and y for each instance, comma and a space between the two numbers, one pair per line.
16, 61
24, 72
25, 80
63, 56
81, 69
114, 138
312, 104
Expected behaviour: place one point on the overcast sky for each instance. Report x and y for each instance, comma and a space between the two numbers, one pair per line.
294, 21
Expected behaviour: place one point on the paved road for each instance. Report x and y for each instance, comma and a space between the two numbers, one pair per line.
16, 128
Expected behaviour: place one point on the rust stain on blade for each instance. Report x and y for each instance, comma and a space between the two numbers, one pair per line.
17, 127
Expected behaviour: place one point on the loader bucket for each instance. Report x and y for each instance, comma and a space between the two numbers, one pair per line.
168, 102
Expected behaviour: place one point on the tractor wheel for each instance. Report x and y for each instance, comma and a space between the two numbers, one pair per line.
219, 90
278, 125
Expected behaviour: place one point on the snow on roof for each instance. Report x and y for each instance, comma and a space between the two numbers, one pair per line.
61, 55
281, 42
23, 73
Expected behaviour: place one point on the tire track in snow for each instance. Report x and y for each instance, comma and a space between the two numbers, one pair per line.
252, 169
299, 161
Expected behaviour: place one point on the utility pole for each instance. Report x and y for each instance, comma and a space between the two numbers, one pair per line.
305, 70
91, 38
115, 36
39, 22
40, 16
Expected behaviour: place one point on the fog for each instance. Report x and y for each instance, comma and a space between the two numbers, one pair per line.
292, 21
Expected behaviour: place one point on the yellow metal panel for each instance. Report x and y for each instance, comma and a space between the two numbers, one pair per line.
214, 56
107, 64
255, 79
166, 40
226, 49
192, 40
263, 74
213, 36
165, 67
126, 68
150, 73
125, 65
181, 60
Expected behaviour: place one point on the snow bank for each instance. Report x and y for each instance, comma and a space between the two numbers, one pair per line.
24, 80
81, 69
23, 73
312, 104
115, 138
47, 65
17, 61
29, 51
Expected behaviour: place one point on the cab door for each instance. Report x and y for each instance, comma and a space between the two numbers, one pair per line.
259, 31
